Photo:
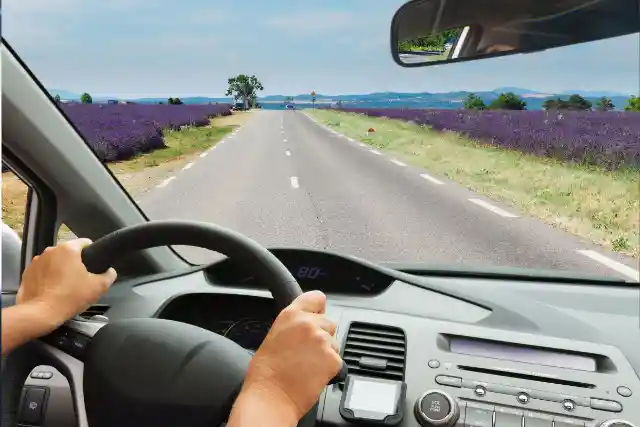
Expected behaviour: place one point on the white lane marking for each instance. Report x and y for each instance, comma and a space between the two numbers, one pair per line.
187, 166
285, 140
492, 208
204, 154
432, 179
375, 152
165, 182
397, 162
294, 182
615, 265
287, 153
350, 139
362, 144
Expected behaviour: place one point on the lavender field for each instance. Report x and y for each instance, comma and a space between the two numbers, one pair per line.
120, 131
606, 139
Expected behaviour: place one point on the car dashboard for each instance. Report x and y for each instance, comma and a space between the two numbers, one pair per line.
469, 352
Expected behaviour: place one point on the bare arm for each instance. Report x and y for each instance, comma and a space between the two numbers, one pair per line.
256, 407
25, 322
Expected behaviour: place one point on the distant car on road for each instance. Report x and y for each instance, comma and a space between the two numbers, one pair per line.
290, 107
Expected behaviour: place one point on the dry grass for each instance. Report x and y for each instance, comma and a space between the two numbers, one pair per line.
138, 174
601, 206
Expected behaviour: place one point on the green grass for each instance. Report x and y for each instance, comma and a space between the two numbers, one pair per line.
180, 143
599, 205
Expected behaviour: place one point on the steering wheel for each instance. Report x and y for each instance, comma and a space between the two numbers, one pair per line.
153, 372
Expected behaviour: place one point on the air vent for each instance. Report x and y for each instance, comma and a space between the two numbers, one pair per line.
375, 351
94, 310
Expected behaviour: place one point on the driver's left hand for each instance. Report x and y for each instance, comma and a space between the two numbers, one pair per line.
58, 280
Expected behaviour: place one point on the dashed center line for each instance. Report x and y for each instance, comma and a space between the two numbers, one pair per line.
492, 208
204, 154
294, 182
187, 166
614, 265
287, 153
375, 152
165, 182
432, 179
285, 140
397, 162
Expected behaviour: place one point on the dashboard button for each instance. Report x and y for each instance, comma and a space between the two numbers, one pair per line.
506, 417
624, 391
449, 381
433, 363
523, 398
436, 408
478, 415
533, 419
606, 405
616, 423
569, 405
32, 406
480, 391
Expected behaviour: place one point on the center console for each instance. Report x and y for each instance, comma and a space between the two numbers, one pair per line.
418, 372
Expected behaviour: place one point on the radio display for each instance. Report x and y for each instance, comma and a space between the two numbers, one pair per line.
520, 353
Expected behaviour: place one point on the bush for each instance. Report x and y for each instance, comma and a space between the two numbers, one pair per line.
120, 131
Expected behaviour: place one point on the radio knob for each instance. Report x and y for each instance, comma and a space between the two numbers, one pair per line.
616, 423
437, 409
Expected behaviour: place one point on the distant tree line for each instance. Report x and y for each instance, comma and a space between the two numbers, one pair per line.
575, 102
505, 101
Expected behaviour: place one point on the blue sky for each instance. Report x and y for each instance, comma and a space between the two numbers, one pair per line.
135, 48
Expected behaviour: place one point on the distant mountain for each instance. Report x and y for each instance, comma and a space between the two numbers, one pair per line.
516, 90
595, 93
533, 98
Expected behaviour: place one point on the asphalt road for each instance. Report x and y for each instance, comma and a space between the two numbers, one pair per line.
286, 181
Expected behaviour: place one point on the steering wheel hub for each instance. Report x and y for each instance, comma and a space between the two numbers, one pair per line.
161, 373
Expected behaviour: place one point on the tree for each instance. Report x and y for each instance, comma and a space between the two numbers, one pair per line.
508, 101
85, 98
244, 87
577, 102
313, 98
57, 98
170, 101
633, 104
474, 102
551, 104
605, 104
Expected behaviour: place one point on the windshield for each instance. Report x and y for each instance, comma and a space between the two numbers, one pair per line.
289, 122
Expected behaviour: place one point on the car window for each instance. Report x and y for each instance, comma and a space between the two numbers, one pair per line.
14, 207
314, 138
14, 201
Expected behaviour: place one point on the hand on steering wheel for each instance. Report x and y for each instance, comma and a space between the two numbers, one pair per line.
150, 371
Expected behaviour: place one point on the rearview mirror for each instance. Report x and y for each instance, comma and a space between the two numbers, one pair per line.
432, 32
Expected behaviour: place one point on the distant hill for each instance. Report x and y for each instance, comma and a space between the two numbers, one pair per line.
596, 93
533, 98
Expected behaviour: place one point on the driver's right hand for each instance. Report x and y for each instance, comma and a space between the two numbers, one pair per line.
299, 356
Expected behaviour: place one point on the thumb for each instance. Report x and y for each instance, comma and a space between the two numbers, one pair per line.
109, 276
311, 302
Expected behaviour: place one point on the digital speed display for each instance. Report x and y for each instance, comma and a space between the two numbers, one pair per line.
313, 270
